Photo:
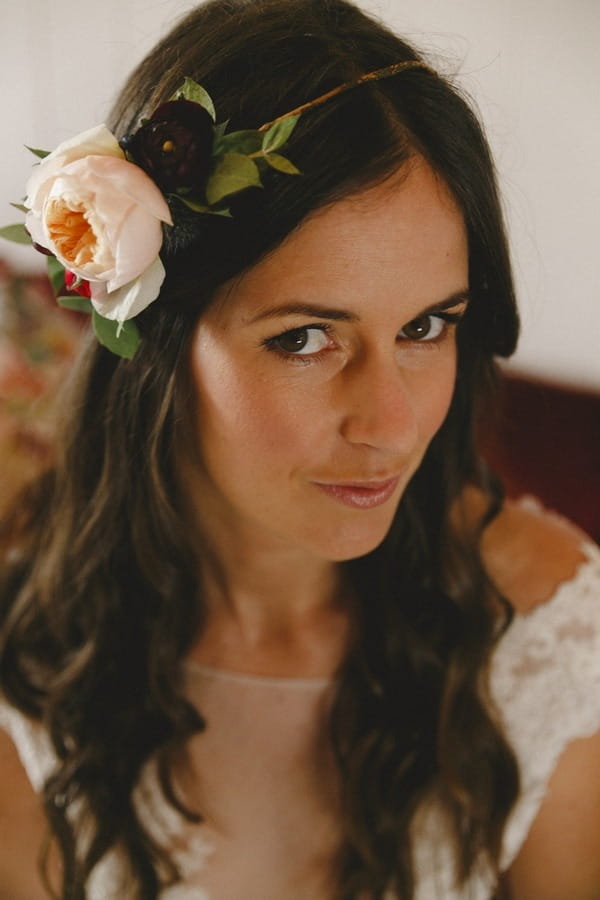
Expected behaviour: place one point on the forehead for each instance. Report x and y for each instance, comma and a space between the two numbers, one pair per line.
403, 238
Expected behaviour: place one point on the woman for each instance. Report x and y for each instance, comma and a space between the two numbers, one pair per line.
268, 627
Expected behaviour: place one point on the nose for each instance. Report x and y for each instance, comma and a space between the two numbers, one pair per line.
378, 405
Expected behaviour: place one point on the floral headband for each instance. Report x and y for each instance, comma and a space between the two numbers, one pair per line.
101, 210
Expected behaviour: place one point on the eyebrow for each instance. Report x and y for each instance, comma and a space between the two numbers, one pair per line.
316, 311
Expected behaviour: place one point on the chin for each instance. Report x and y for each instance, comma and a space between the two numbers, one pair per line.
352, 546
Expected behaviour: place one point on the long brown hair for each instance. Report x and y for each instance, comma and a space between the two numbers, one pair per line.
99, 594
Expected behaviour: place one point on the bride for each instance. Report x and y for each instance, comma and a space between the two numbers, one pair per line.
269, 629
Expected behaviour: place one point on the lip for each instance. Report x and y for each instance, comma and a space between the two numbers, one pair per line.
361, 494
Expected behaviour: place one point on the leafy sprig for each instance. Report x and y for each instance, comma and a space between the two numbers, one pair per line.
237, 162
236, 156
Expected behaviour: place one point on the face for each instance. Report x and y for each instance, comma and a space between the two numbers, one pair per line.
323, 373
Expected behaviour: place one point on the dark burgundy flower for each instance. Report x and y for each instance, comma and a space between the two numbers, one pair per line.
77, 285
174, 146
41, 249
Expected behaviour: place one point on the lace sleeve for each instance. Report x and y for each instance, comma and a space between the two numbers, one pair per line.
545, 681
31, 742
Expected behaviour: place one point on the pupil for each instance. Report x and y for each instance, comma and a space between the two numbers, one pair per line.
294, 340
418, 328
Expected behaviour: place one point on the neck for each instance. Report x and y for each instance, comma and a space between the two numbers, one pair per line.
272, 614
267, 607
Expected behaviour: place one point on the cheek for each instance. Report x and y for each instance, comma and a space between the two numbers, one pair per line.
435, 395
228, 411
242, 413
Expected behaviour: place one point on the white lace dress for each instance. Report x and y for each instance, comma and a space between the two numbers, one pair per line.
263, 773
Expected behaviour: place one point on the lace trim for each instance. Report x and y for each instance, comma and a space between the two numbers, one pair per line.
31, 741
545, 681
186, 842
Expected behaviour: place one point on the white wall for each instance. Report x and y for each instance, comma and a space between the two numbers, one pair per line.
532, 65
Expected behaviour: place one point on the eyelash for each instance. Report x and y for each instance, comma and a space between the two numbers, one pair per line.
273, 344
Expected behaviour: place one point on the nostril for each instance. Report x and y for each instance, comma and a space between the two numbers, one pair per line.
382, 417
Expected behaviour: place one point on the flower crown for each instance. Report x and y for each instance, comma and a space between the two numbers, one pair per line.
101, 210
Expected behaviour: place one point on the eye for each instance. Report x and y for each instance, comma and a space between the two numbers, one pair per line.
427, 328
301, 341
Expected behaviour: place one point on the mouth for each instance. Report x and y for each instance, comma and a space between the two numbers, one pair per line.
361, 494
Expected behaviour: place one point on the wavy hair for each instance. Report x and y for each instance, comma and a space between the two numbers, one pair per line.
99, 594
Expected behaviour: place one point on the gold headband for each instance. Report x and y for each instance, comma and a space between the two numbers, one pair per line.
376, 75
177, 165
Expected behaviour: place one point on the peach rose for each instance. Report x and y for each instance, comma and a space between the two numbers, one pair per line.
101, 216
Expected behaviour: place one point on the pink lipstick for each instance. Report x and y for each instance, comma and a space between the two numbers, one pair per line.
361, 495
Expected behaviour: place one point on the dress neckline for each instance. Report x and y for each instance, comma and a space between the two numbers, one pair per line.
266, 681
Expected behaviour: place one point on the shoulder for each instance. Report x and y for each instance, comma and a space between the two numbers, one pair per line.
530, 552
560, 856
22, 828
545, 682
545, 669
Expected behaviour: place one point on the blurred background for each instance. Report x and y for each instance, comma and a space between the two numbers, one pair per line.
532, 69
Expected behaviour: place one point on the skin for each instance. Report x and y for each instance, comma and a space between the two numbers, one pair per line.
364, 404
365, 408
358, 404
559, 859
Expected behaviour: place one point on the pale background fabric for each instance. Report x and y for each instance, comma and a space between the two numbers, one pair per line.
531, 65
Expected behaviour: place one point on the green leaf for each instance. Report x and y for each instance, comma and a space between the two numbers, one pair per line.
20, 206
16, 233
238, 142
193, 204
220, 129
190, 90
56, 274
281, 164
76, 302
202, 207
224, 211
41, 154
122, 338
278, 134
234, 172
